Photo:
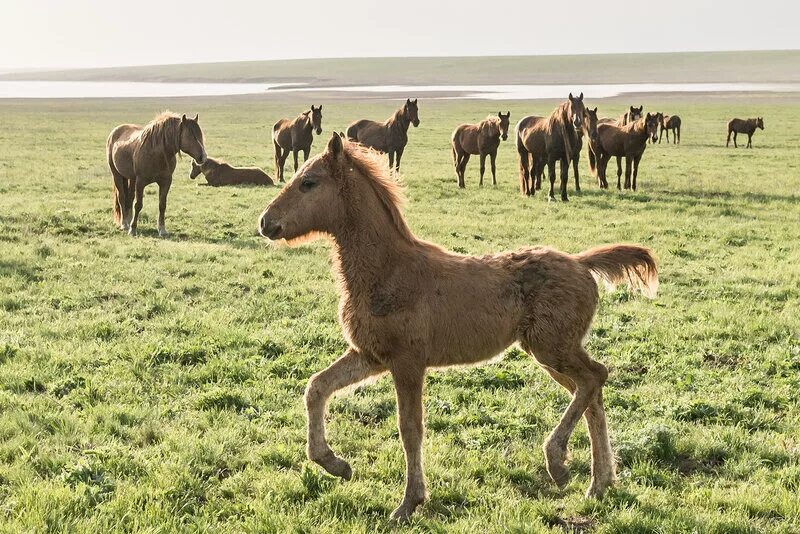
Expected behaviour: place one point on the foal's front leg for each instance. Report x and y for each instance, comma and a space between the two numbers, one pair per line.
408, 386
163, 191
351, 368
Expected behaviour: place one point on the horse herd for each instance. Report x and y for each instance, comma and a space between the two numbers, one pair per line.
407, 305
141, 155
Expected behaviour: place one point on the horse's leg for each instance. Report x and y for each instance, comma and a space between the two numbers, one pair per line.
121, 200
408, 386
464, 161
660, 133
397, 158
551, 172
483, 167
130, 191
564, 165
163, 190
588, 376
636, 161
278, 168
294, 155
677, 135
595, 416
628, 163
305, 153
728, 142
575, 162
749, 140
492, 158
391, 160
735, 133
351, 368
138, 207
619, 173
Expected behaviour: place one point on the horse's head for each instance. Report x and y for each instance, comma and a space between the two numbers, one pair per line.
651, 122
311, 202
191, 139
196, 170
635, 114
590, 123
576, 111
760, 122
505, 121
316, 118
411, 112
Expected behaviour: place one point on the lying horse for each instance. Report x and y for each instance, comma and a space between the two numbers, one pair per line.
670, 123
141, 155
629, 141
219, 173
294, 136
547, 140
479, 139
407, 305
390, 136
745, 126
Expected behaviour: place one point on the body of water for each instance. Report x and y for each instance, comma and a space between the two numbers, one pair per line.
61, 89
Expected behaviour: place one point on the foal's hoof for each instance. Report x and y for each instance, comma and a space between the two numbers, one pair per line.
403, 512
335, 466
554, 460
597, 489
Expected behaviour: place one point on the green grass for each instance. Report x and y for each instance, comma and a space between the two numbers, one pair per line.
155, 385
685, 67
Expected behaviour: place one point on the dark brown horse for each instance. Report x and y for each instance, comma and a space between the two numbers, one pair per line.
547, 140
390, 136
745, 126
294, 136
479, 139
670, 123
628, 141
632, 115
141, 155
219, 173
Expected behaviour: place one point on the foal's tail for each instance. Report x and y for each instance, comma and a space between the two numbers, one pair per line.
615, 264
114, 173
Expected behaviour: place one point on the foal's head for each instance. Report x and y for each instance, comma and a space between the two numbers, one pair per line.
760, 122
191, 139
651, 122
411, 112
504, 123
590, 123
196, 170
576, 111
316, 118
635, 114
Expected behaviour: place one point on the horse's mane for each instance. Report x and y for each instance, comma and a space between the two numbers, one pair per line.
159, 132
397, 115
559, 119
372, 166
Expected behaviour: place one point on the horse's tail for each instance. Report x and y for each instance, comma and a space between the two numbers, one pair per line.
592, 160
278, 151
114, 173
523, 153
631, 264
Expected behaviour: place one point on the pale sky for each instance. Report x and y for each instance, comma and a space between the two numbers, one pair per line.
95, 33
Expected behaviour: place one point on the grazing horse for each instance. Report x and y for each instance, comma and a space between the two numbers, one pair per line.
628, 141
141, 155
294, 136
407, 305
546, 140
390, 136
219, 173
670, 123
745, 126
481, 139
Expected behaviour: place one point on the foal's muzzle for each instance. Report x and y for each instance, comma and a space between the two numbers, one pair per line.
268, 228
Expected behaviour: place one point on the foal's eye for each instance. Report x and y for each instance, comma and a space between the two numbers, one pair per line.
307, 185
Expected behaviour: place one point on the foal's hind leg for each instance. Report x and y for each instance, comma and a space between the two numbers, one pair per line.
595, 415
351, 368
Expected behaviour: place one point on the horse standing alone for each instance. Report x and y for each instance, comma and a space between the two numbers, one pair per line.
745, 126
670, 123
294, 136
479, 139
390, 136
407, 305
141, 155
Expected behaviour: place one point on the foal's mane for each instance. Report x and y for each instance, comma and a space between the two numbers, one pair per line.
372, 166
162, 131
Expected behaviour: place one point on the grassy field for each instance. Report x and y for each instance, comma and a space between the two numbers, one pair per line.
154, 385
686, 67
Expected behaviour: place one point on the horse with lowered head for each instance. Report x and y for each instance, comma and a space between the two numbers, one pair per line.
295, 135
547, 140
745, 126
479, 139
407, 305
142, 155
390, 136
629, 141
219, 173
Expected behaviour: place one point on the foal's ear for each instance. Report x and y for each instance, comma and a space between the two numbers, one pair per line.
196, 117
183, 119
335, 146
